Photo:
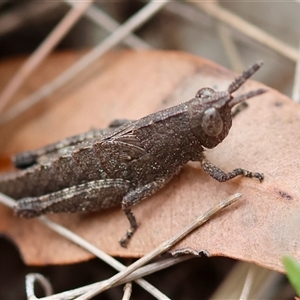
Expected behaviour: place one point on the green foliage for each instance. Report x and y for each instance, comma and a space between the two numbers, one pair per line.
292, 268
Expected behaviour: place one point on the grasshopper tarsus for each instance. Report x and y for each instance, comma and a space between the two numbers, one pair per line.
129, 161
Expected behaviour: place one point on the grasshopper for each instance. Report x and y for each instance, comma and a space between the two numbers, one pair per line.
127, 162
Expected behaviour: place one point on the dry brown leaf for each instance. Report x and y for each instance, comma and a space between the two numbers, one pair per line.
261, 228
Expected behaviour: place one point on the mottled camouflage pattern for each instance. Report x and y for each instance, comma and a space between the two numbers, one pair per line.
127, 162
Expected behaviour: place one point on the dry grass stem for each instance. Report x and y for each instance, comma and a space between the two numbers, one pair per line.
117, 36
165, 246
247, 29
296, 85
127, 291
102, 19
134, 276
230, 49
31, 279
248, 284
126, 271
15, 18
87, 246
7, 201
37, 57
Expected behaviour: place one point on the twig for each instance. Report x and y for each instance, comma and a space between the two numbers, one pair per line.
42, 51
134, 276
15, 18
118, 35
87, 246
7, 201
188, 13
99, 253
117, 265
296, 85
230, 49
30, 281
248, 284
102, 19
165, 246
248, 29
127, 291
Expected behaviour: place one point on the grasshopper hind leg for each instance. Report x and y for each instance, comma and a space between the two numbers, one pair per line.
91, 196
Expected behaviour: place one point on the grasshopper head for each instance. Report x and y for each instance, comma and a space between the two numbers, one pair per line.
210, 111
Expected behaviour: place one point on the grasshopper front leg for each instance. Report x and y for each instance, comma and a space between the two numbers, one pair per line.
222, 176
134, 197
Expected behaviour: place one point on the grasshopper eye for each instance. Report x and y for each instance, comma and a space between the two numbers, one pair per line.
212, 123
204, 93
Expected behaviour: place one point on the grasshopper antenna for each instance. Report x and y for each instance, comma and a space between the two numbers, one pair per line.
246, 96
238, 82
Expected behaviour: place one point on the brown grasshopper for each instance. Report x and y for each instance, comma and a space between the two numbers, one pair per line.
127, 162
